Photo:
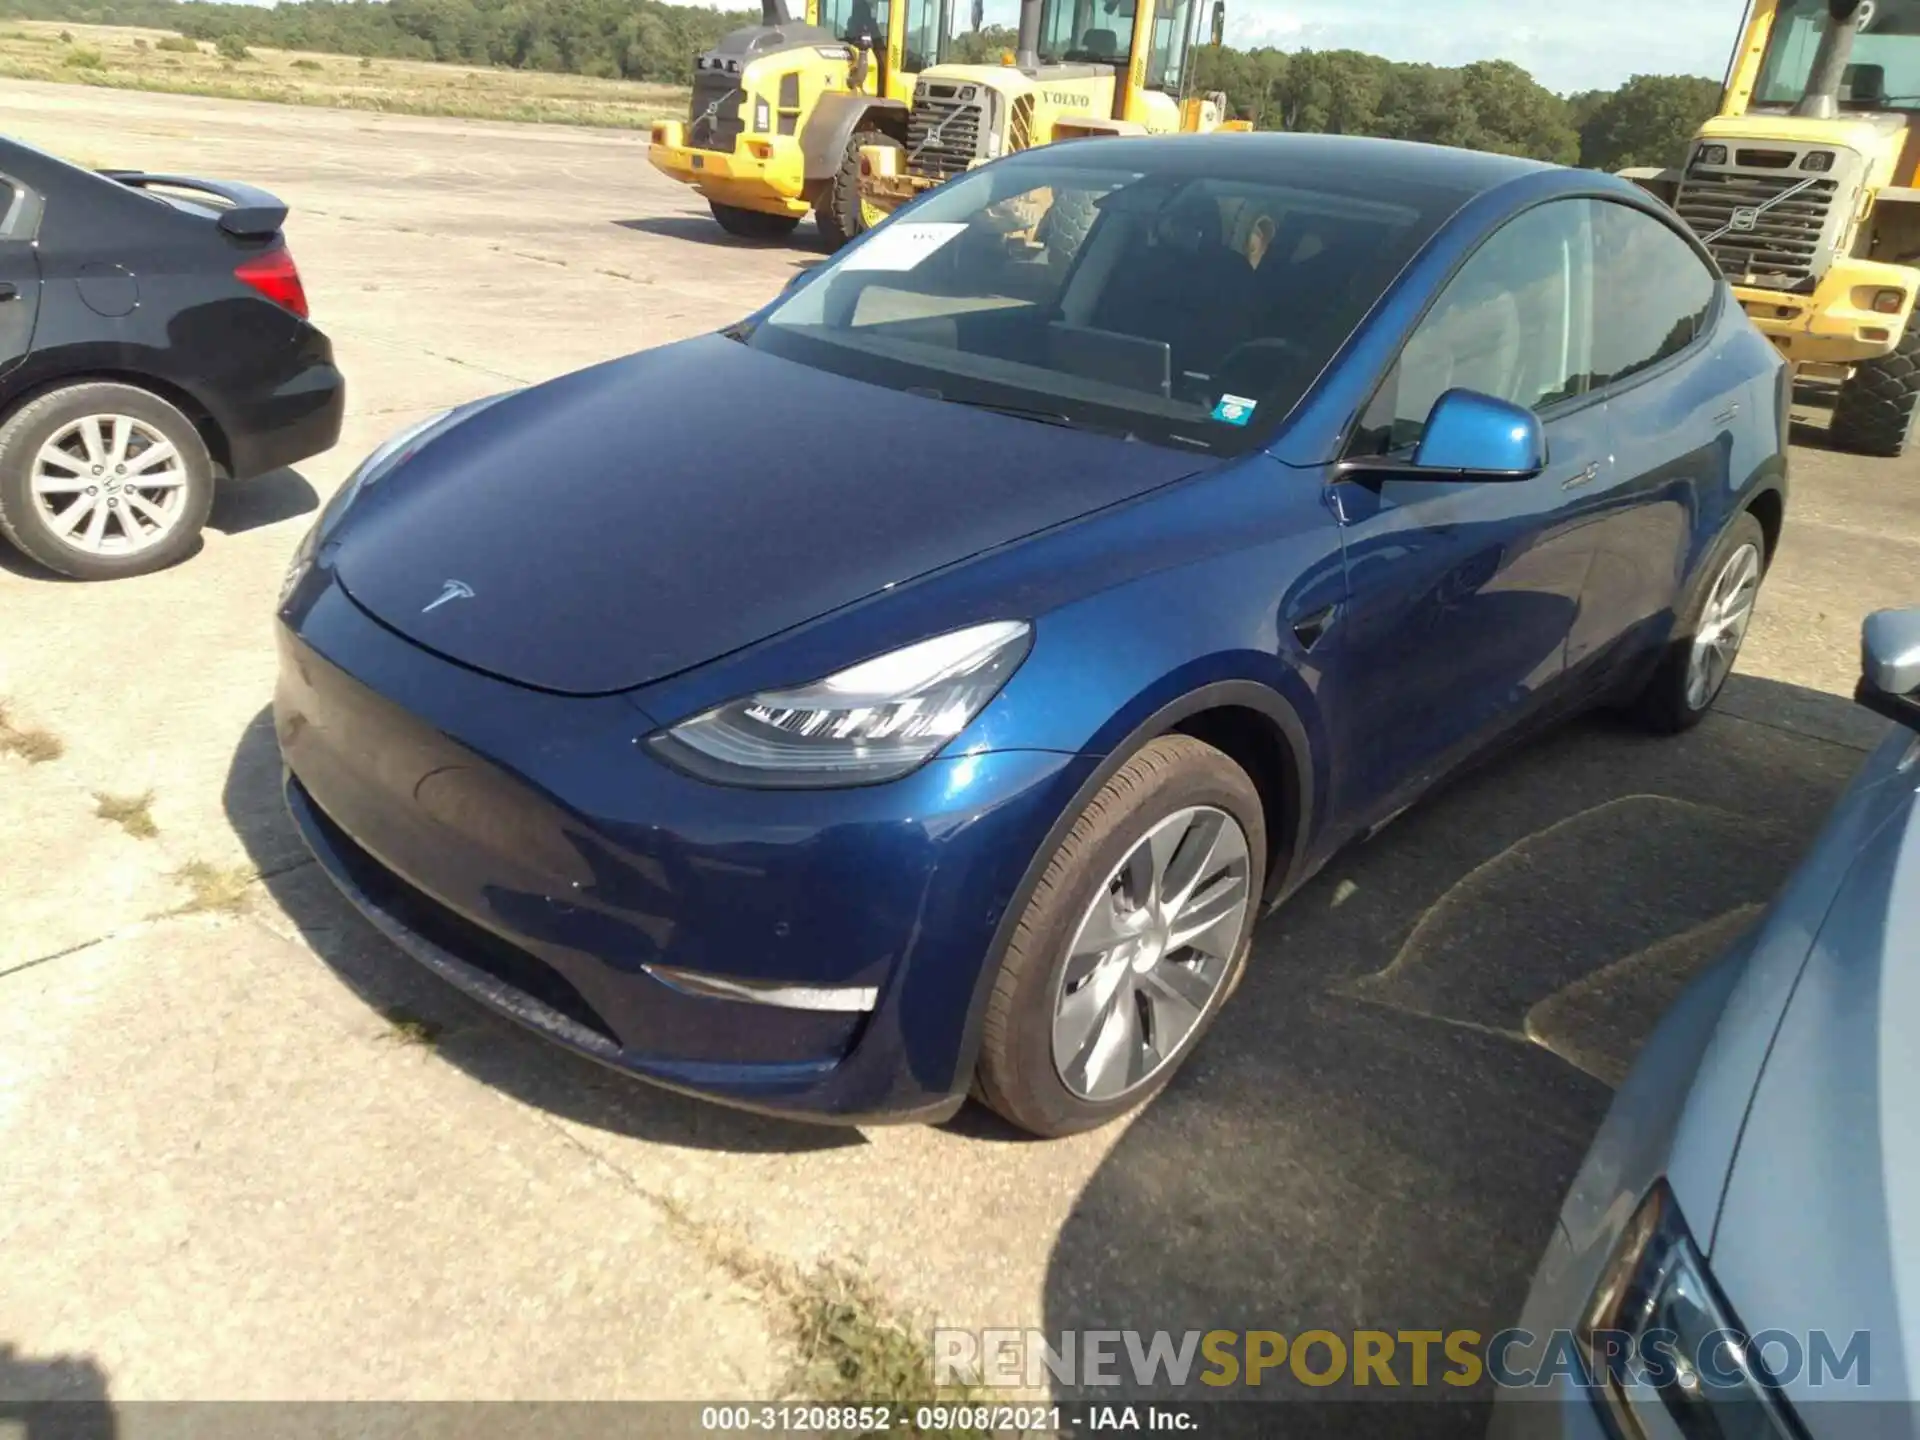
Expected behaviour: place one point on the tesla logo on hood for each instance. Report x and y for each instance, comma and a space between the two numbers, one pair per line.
452, 590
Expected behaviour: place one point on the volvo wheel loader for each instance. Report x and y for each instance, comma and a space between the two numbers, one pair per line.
1804, 188
776, 124
1083, 67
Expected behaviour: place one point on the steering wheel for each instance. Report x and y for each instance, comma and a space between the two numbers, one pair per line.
1254, 367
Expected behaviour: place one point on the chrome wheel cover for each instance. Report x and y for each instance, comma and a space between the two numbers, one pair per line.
1151, 953
1723, 625
109, 485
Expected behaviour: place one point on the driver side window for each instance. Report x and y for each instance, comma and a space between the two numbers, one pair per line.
1515, 322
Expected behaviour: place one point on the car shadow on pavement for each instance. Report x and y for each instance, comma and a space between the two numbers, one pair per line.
1379, 1131
422, 1007
57, 1397
242, 505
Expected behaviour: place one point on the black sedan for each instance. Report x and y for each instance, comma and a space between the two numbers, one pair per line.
153, 336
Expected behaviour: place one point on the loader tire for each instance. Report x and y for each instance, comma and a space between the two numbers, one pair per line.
1878, 405
1065, 225
838, 212
752, 224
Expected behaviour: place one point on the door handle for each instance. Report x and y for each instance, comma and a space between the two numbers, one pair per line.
1584, 477
1727, 414
9, 290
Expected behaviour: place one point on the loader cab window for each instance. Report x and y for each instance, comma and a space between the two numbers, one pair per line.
1172, 29
1085, 32
1884, 69
926, 28
850, 19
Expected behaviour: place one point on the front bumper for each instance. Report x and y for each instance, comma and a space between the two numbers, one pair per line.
1836, 324
762, 172
525, 847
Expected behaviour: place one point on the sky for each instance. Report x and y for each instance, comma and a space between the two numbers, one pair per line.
1566, 45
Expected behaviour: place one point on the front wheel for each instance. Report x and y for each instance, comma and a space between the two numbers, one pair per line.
1878, 406
840, 212
1131, 942
752, 224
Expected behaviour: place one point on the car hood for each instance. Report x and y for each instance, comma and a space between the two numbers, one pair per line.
1819, 1227
623, 523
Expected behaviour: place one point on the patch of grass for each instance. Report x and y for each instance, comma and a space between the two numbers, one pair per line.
395, 87
66, 37
213, 889
31, 744
232, 47
411, 1029
132, 813
83, 58
847, 1344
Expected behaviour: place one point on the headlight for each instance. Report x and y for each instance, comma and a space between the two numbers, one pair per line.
1663, 1346
401, 445
875, 721
1711, 154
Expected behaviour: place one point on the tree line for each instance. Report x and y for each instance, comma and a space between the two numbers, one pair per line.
1488, 105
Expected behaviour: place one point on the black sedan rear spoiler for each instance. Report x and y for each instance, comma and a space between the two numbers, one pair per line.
250, 212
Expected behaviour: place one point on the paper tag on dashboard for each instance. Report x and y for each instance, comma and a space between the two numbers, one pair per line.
899, 247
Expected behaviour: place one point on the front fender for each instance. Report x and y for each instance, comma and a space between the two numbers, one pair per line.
824, 138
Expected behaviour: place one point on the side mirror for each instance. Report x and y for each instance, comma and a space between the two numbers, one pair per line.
1468, 436
1890, 665
793, 280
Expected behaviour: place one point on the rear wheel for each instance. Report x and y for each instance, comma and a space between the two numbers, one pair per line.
100, 481
1706, 640
840, 212
1880, 402
752, 224
1131, 943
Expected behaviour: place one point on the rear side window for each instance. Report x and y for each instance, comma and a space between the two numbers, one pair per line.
1515, 322
1659, 292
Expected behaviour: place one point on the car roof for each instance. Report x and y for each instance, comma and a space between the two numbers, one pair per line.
1357, 165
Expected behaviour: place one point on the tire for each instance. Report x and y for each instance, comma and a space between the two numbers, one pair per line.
78, 422
1018, 1074
1670, 702
838, 212
1063, 229
752, 224
1878, 404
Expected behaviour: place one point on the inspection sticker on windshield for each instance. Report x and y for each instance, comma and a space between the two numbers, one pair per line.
1234, 409
900, 247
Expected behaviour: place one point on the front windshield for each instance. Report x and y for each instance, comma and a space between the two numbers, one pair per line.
1179, 308
1085, 31
1883, 72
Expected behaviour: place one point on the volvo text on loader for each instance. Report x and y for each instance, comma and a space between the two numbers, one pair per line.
1083, 67
1803, 187
775, 128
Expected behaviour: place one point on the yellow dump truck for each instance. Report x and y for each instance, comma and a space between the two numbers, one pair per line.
780, 111
1803, 187
1082, 67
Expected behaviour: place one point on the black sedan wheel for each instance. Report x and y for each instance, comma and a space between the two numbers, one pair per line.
100, 481
1131, 943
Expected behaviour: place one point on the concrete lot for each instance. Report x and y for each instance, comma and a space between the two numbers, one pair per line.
229, 1173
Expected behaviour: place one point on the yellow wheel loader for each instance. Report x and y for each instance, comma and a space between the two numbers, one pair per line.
1083, 67
782, 109
1803, 187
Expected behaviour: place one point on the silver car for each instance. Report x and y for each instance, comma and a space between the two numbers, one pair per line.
1740, 1253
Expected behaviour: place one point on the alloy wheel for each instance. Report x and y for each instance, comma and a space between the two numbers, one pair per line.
1723, 625
1151, 953
109, 485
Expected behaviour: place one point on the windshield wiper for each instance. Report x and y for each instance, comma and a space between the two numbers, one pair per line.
1026, 412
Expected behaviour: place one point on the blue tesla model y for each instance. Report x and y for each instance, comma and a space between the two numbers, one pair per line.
921, 686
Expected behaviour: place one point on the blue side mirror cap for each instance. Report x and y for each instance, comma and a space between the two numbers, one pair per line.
1477, 436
